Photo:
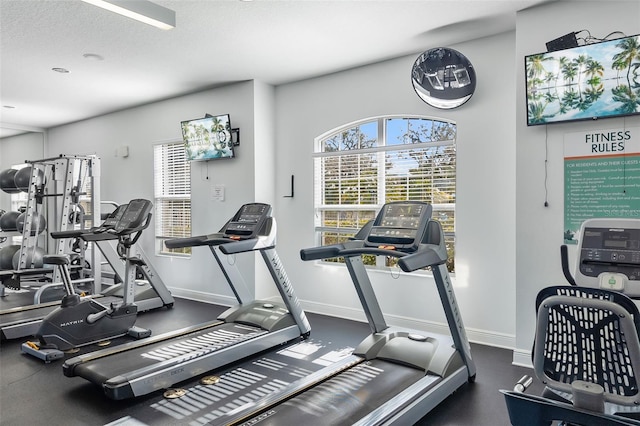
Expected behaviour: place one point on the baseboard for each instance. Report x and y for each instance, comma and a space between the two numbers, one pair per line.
482, 337
522, 358
201, 296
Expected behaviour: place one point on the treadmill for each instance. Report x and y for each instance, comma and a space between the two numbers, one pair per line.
395, 375
141, 367
24, 321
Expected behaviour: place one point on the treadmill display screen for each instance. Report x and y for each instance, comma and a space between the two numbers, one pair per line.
251, 213
248, 220
402, 216
400, 225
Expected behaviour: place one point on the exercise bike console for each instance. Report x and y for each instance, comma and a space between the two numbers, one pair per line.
609, 255
134, 217
109, 223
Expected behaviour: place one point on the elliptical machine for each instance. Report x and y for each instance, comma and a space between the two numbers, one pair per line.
83, 321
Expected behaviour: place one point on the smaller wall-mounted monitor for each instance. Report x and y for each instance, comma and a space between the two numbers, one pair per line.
208, 138
589, 82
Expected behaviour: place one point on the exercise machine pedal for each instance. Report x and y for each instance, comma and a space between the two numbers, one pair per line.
138, 332
47, 355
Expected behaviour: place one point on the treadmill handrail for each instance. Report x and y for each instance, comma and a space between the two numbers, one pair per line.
252, 244
324, 252
427, 255
370, 250
331, 250
199, 240
227, 245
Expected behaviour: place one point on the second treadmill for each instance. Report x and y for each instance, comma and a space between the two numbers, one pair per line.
252, 326
395, 375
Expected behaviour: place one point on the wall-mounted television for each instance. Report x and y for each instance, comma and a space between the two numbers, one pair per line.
589, 82
208, 138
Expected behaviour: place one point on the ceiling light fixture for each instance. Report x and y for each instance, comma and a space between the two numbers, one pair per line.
140, 10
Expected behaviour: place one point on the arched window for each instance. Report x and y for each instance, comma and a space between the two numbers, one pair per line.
362, 165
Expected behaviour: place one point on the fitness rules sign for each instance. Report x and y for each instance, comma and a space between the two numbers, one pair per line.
601, 177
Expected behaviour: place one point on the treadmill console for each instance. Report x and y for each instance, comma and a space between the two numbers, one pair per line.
248, 221
400, 225
610, 248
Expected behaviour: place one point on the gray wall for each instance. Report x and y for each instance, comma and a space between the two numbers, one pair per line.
485, 209
132, 177
538, 228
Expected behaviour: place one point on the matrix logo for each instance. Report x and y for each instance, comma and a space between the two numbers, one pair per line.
74, 322
282, 275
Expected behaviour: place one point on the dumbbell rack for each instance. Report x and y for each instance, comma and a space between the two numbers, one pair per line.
65, 170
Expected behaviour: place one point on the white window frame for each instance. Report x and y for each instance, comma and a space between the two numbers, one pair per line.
171, 187
445, 212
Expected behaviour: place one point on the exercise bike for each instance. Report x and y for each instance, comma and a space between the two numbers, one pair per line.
82, 321
587, 344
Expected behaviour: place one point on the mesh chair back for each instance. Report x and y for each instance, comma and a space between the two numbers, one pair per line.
591, 335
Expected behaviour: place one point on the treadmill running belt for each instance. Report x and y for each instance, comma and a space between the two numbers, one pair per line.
142, 360
343, 399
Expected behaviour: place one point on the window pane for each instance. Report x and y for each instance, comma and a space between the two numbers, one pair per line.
354, 219
172, 186
403, 131
349, 179
396, 131
426, 174
369, 135
357, 170
360, 137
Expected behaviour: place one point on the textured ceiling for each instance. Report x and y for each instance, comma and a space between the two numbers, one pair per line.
215, 42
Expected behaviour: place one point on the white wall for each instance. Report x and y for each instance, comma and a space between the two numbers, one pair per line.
264, 171
132, 177
538, 228
485, 210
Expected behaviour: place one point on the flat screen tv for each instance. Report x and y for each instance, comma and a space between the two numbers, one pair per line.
594, 81
208, 138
